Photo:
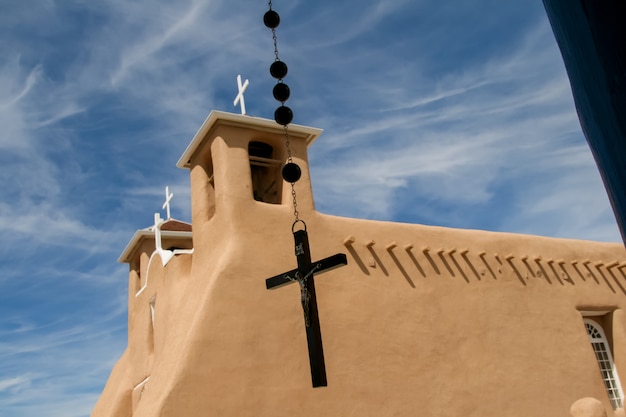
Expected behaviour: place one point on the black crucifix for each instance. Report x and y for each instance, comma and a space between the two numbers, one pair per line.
304, 276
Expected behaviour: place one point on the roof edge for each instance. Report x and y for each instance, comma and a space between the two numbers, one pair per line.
215, 118
139, 235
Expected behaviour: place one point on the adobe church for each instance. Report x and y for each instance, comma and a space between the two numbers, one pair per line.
421, 321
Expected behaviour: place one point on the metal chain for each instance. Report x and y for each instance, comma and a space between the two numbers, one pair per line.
274, 38
286, 130
293, 189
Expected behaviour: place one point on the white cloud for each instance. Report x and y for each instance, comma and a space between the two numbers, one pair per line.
172, 28
14, 384
506, 123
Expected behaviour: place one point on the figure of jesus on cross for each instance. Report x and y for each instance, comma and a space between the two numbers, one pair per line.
303, 274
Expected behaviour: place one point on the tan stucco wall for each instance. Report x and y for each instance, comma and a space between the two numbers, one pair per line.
480, 324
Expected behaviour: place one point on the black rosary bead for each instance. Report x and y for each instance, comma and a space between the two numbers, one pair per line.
278, 69
291, 172
283, 115
271, 19
281, 92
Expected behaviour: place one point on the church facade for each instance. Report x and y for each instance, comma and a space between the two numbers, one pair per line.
422, 321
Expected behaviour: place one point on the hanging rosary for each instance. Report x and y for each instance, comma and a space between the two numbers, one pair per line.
304, 273
283, 115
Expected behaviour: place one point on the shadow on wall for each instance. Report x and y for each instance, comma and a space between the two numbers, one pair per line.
414, 264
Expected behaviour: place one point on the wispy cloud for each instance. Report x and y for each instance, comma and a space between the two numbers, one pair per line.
14, 384
508, 122
170, 26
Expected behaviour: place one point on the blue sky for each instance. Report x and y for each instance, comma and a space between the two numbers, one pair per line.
443, 113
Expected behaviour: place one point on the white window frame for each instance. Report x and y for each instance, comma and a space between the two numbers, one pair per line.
602, 351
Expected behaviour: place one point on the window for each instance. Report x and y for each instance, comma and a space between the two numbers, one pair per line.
601, 348
266, 179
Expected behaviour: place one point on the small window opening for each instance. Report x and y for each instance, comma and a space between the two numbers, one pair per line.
265, 171
602, 350
209, 189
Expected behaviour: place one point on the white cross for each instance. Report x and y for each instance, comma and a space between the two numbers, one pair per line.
239, 98
158, 221
166, 255
166, 205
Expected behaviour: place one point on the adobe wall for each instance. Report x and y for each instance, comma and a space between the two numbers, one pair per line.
146, 330
405, 331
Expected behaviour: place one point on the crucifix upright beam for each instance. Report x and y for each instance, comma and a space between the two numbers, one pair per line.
304, 275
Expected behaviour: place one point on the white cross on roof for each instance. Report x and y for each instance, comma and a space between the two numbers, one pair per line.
166, 205
239, 98
158, 221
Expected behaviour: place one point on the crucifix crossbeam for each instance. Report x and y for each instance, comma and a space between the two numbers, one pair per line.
304, 275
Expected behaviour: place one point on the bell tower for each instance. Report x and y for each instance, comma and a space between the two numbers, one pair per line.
235, 164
